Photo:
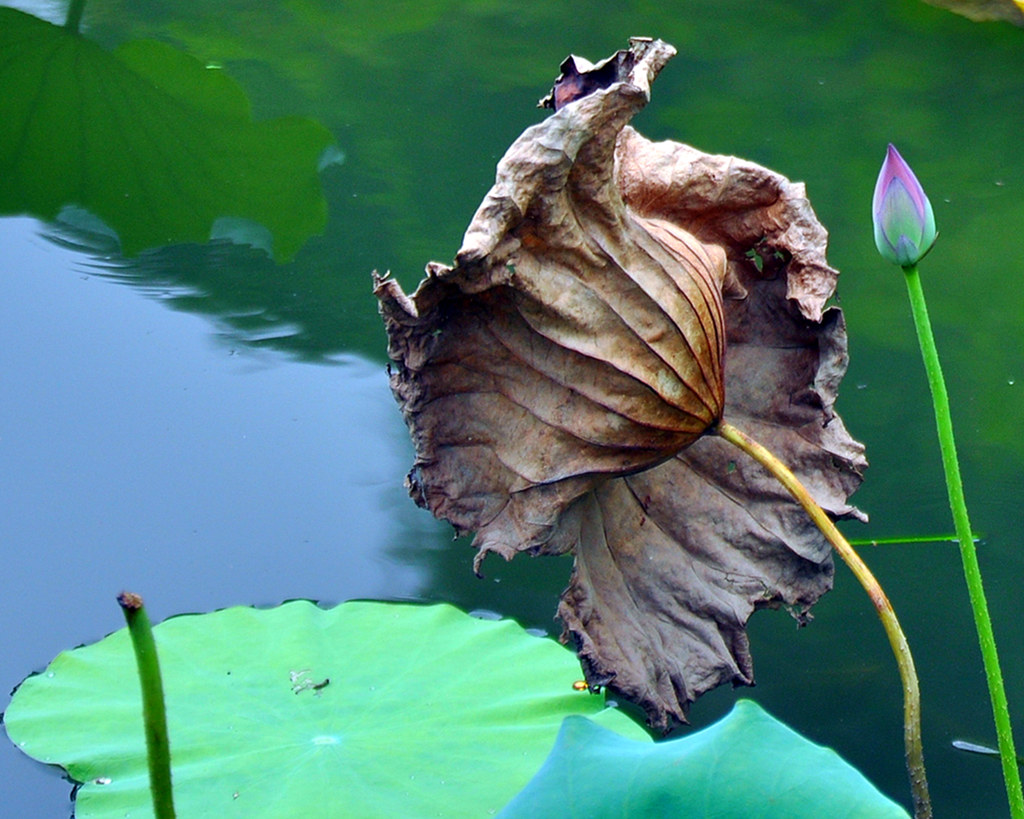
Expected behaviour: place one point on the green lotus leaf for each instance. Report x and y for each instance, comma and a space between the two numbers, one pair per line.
746, 765
150, 141
363, 710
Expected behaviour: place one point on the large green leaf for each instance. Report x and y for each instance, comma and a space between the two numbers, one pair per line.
428, 712
748, 766
156, 145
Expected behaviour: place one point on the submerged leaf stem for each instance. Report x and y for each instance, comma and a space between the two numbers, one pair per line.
74, 18
158, 750
968, 554
898, 641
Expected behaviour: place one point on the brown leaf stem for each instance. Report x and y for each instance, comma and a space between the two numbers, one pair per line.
900, 647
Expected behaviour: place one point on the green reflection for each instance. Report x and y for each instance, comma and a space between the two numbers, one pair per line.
149, 144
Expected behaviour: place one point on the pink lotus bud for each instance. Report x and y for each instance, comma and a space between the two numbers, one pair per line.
903, 217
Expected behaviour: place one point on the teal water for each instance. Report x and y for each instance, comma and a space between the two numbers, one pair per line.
210, 427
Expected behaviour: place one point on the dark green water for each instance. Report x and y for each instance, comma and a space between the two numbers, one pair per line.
209, 428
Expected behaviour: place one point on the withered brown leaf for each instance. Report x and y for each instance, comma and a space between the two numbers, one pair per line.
614, 299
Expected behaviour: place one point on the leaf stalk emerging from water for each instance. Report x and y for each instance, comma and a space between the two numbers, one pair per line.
898, 641
74, 17
158, 749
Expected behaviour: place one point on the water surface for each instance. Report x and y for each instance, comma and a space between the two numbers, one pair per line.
210, 427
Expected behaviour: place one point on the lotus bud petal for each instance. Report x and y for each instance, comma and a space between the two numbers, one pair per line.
903, 217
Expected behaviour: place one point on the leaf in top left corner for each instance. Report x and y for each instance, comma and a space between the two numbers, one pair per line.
148, 140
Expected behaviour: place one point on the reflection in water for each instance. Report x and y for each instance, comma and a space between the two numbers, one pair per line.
140, 433
303, 308
153, 144
133, 452
254, 302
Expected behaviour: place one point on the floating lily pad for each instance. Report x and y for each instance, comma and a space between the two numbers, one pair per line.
150, 141
746, 765
366, 709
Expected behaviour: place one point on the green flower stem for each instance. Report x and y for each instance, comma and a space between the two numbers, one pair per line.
158, 748
898, 641
74, 17
964, 533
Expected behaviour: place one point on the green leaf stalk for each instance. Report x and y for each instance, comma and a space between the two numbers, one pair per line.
968, 554
74, 17
153, 710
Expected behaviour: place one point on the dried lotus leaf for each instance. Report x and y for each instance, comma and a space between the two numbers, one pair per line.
613, 300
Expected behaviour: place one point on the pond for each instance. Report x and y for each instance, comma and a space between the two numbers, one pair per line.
209, 427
